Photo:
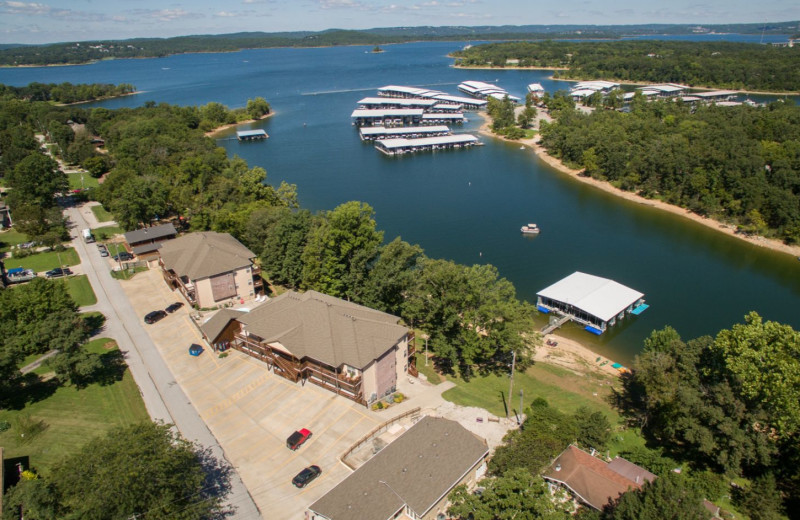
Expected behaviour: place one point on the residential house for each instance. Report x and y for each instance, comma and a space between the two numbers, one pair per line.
410, 478
210, 268
592, 481
352, 350
145, 242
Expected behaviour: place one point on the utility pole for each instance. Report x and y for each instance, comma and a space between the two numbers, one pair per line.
519, 412
511, 382
426, 349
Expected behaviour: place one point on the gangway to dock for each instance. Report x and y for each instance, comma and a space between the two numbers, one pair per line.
554, 324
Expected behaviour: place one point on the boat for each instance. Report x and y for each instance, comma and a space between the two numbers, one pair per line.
530, 229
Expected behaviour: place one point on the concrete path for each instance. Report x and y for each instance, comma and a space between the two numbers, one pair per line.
36, 364
164, 399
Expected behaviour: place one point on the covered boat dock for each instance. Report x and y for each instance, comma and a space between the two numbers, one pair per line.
379, 103
595, 302
251, 135
388, 117
442, 118
399, 91
399, 146
371, 133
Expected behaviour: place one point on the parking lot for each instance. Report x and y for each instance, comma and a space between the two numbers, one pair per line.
251, 411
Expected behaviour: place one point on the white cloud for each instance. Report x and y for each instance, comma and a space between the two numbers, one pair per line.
341, 4
226, 14
165, 15
36, 9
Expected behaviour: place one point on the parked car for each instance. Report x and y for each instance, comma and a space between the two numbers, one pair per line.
307, 475
297, 439
27, 245
152, 317
103, 252
58, 271
174, 307
123, 256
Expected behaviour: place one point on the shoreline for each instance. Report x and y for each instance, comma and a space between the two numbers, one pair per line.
510, 68
728, 229
215, 132
574, 356
690, 87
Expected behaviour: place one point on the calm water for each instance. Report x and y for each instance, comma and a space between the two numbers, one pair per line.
463, 205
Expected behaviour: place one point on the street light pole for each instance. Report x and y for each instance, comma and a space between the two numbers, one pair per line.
511, 381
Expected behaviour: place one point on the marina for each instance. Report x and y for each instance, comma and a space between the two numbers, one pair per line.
399, 146
398, 91
482, 90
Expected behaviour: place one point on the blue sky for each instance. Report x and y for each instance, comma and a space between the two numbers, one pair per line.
48, 21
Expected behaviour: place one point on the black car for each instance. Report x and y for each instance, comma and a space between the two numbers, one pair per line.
307, 475
123, 256
152, 317
58, 271
174, 307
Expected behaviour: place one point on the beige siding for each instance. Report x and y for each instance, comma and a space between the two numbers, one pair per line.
386, 372
203, 294
402, 358
369, 383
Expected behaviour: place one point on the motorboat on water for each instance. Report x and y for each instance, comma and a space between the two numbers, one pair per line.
530, 229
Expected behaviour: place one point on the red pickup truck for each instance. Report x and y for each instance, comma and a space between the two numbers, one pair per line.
297, 439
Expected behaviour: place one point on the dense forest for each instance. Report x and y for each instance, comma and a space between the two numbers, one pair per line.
84, 52
66, 92
743, 66
735, 164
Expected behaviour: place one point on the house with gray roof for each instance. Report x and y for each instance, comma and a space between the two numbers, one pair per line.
146, 241
210, 268
410, 478
352, 350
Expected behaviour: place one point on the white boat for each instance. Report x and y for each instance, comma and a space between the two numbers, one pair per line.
530, 229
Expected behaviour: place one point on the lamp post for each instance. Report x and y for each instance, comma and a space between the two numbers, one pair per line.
511, 381
426, 348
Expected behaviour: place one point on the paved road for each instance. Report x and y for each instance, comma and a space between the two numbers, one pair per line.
163, 397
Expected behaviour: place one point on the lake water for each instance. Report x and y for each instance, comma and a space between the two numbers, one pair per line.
464, 205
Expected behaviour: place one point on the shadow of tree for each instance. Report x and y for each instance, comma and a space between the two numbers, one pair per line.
31, 389
217, 483
112, 368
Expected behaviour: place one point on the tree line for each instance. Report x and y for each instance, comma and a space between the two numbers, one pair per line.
66, 92
742, 66
734, 164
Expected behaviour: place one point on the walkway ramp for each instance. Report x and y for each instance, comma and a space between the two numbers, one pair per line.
553, 325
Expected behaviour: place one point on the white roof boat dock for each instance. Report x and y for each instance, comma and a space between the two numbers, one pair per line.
387, 117
399, 146
436, 119
482, 90
597, 86
384, 103
399, 91
446, 107
536, 89
251, 135
371, 133
589, 300
664, 90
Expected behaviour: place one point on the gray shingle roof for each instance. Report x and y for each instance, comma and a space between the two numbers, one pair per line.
151, 233
217, 323
205, 254
417, 469
325, 328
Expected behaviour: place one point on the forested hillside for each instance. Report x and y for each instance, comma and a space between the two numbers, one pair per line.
704, 64
734, 164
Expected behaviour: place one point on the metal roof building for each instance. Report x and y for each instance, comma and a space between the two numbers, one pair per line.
590, 300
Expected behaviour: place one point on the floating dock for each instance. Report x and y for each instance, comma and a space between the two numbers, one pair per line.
399, 146
251, 135
482, 90
436, 119
399, 91
372, 133
595, 302
387, 117
382, 103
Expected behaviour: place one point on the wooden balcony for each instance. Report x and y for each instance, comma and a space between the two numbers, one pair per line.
306, 370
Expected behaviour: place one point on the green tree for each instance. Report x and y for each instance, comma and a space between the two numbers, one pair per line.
392, 275
35, 181
517, 495
669, 497
761, 500
257, 108
145, 470
283, 244
339, 250
138, 201
594, 429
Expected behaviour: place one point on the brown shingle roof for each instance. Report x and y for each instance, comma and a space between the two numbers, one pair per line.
217, 323
417, 470
588, 477
325, 328
631, 471
151, 233
205, 254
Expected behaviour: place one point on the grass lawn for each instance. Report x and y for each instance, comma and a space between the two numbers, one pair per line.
106, 232
563, 390
101, 214
76, 184
71, 417
126, 274
81, 290
44, 261
430, 373
10, 238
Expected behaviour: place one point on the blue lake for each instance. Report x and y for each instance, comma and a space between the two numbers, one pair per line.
464, 205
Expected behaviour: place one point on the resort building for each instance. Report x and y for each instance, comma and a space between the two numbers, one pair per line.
410, 478
592, 481
349, 349
210, 268
146, 241
595, 302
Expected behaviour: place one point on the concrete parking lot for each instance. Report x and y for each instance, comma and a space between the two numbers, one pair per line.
251, 411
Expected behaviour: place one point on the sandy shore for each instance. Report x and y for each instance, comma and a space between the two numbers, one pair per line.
728, 229
570, 354
220, 129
